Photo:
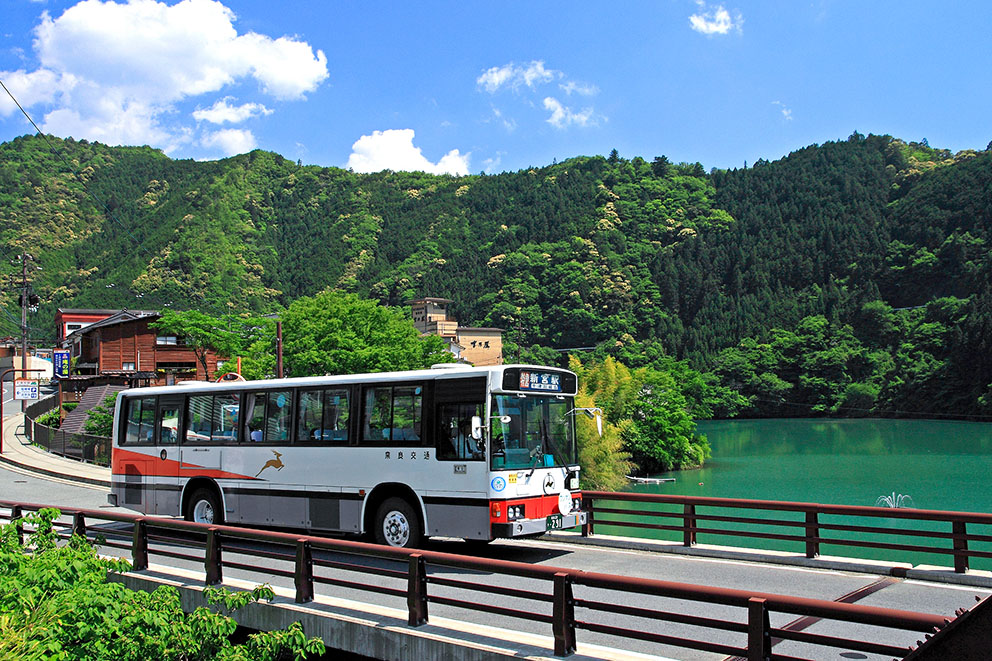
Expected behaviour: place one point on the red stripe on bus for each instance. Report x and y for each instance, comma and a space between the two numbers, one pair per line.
154, 466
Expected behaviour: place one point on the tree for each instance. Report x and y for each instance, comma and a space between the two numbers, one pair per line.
338, 333
603, 461
201, 333
100, 418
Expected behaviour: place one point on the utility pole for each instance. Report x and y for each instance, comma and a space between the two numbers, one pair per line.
27, 300
24, 314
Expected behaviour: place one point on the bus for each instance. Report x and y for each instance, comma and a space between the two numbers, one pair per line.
453, 451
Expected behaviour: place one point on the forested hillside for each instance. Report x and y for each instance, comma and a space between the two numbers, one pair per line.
849, 278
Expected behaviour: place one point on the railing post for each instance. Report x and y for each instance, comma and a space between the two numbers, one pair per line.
79, 524
212, 561
416, 590
15, 514
304, 572
812, 534
759, 640
960, 531
688, 525
587, 527
139, 546
563, 616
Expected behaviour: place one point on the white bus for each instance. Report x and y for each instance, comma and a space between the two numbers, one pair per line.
453, 451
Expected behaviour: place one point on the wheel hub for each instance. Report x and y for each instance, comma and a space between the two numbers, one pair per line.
396, 529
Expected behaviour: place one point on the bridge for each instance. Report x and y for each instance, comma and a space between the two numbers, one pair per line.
598, 596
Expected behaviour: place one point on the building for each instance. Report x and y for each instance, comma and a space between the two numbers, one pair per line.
124, 345
70, 320
478, 346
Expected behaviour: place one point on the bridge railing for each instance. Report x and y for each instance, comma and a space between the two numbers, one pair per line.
812, 527
568, 600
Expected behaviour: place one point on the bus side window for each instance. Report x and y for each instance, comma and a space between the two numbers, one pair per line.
278, 416
407, 413
255, 415
198, 415
310, 418
226, 416
378, 413
140, 421
335, 421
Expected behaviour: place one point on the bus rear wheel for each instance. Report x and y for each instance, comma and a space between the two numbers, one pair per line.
204, 507
396, 524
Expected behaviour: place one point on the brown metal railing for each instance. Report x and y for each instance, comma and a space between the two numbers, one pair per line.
696, 516
578, 600
82, 447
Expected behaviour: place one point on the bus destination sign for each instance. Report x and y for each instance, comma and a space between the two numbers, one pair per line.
545, 381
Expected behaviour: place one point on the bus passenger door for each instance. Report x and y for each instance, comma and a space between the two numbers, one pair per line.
168, 426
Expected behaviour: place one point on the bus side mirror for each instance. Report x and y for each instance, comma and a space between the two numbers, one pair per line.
477, 427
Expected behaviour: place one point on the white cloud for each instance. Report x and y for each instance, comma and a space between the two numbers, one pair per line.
508, 123
715, 20
786, 112
222, 111
393, 149
28, 88
583, 89
562, 116
514, 76
114, 71
230, 141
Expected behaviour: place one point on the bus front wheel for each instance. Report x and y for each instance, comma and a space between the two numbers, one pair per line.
396, 524
204, 507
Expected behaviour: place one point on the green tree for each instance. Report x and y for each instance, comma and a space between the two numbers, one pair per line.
201, 332
100, 418
339, 333
603, 461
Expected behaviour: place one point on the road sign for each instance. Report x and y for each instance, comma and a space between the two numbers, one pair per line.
60, 358
25, 389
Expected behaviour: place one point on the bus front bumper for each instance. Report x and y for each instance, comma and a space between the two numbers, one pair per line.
528, 527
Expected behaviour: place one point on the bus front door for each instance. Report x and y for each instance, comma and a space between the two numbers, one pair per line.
168, 419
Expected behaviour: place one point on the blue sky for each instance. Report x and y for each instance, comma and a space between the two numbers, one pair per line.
465, 87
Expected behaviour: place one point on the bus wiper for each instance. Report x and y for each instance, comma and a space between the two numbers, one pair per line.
539, 451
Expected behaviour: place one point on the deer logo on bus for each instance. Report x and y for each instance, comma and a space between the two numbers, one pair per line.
272, 463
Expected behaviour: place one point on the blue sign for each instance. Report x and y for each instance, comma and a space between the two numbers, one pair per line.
61, 360
498, 483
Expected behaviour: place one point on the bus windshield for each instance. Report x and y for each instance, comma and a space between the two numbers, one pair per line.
539, 432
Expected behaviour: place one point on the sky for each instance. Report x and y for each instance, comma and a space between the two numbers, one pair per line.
467, 87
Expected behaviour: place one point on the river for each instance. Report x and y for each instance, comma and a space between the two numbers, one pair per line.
942, 465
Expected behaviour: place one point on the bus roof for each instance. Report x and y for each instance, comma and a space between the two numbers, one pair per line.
437, 372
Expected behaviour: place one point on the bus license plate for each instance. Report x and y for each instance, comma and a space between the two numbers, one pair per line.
555, 522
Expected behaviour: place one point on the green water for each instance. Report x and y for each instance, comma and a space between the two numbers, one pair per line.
939, 465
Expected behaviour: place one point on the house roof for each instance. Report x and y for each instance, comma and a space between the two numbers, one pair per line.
87, 311
120, 317
427, 299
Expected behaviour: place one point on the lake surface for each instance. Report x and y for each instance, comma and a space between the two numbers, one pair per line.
940, 465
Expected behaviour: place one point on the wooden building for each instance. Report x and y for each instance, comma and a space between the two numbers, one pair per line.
125, 346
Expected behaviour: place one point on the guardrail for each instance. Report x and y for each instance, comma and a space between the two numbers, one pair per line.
81, 447
691, 519
567, 600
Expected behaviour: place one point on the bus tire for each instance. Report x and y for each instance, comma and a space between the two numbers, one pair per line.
396, 524
204, 507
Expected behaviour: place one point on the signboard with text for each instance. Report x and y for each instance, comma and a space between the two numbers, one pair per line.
60, 360
25, 388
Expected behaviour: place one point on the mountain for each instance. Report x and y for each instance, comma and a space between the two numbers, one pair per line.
621, 253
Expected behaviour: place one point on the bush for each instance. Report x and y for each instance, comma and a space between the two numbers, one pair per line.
56, 603
50, 419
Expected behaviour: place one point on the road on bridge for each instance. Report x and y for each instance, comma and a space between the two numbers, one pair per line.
865, 589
